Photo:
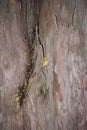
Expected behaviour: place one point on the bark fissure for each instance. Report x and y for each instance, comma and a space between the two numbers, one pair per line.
24, 89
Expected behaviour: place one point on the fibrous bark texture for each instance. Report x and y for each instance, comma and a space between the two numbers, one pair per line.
31, 31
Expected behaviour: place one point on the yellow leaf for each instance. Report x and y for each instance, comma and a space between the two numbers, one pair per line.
45, 63
17, 99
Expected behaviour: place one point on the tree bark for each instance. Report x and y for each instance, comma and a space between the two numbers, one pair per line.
43, 44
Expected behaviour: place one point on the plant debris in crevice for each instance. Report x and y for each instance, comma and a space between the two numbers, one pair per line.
23, 90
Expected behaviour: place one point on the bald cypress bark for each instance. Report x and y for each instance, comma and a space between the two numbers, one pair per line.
43, 65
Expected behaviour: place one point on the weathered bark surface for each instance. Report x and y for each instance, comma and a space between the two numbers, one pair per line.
57, 92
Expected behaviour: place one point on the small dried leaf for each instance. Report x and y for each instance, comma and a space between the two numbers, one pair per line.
17, 99
45, 63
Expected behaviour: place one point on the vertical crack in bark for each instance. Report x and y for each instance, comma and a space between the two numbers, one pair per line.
38, 38
24, 89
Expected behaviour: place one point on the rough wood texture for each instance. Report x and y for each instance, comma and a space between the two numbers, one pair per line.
57, 93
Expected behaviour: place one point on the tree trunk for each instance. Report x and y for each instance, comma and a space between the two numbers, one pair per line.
43, 65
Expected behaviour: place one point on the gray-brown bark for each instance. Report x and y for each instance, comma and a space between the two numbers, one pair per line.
57, 92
